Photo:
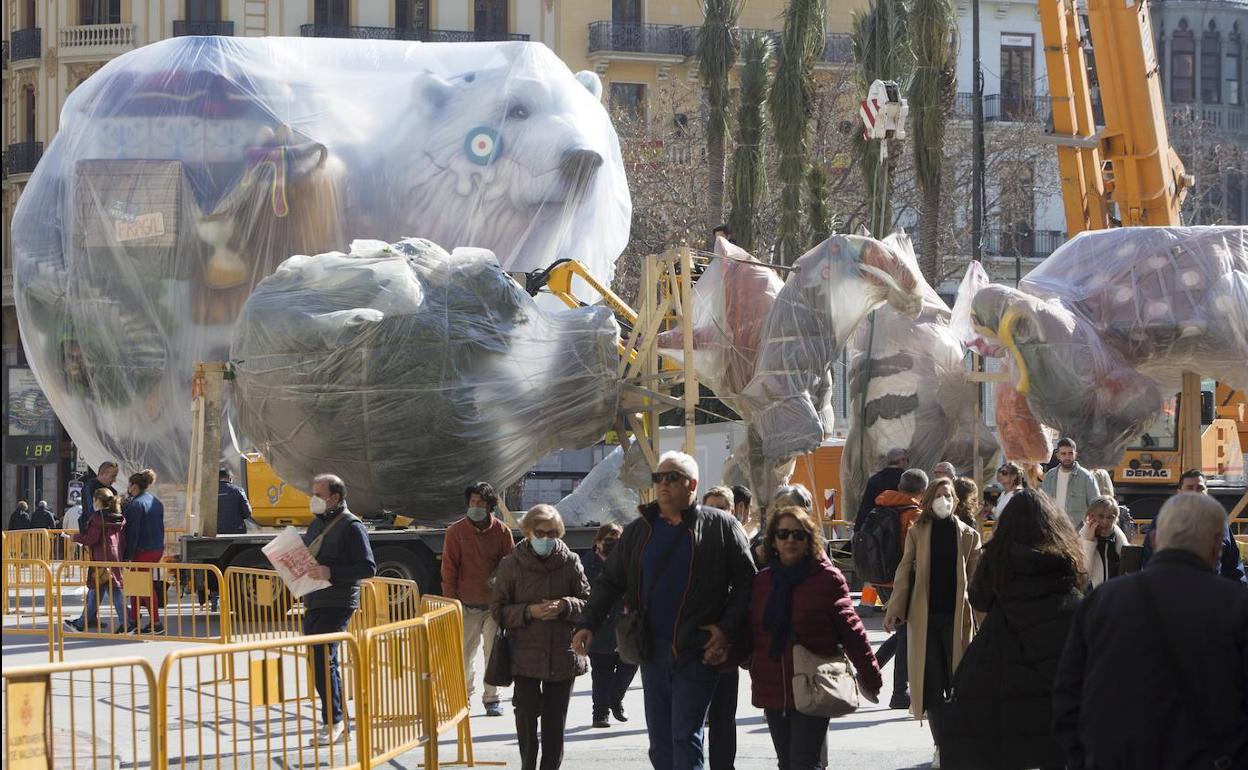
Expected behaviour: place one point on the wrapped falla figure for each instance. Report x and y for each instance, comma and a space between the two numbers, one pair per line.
1102, 331
185, 171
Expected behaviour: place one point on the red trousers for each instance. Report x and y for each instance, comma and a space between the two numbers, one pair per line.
149, 602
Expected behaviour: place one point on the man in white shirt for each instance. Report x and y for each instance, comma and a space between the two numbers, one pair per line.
1070, 485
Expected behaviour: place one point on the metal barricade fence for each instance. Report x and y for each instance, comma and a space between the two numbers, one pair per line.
386, 600
28, 599
260, 606
449, 683
85, 715
27, 544
256, 704
398, 689
168, 592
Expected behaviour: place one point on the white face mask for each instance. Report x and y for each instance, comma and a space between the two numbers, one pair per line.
317, 505
942, 507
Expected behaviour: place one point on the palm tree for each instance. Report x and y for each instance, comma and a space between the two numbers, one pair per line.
749, 182
717, 53
932, 29
791, 102
820, 217
881, 52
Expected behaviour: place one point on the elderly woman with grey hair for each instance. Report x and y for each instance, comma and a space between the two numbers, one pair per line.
537, 592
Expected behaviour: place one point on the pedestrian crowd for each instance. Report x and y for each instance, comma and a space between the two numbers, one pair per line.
1033, 650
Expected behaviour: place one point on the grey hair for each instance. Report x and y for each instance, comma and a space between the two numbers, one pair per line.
895, 455
541, 513
1104, 482
723, 492
1190, 521
336, 485
683, 462
1103, 501
945, 465
792, 494
913, 482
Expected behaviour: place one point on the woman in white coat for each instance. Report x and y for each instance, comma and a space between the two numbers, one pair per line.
1102, 540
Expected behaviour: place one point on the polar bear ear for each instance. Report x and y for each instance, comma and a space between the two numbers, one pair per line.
433, 91
592, 82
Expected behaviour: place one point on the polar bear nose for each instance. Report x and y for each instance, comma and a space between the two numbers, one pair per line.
580, 164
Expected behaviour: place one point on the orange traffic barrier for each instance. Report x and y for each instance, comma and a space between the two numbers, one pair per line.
869, 595
449, 691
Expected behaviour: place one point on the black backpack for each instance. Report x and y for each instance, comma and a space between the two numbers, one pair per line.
877, 545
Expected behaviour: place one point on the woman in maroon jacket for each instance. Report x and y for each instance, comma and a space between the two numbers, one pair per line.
105, 538
800, 598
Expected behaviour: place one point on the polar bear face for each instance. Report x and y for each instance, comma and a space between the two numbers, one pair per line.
501, 160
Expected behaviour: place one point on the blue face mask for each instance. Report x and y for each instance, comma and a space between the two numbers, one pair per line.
542, 546
477, 514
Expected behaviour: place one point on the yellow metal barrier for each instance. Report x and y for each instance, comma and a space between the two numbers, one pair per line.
85, 714
167, 592
266, 715
28, 601
445, 620
260, 606
27, 544
399, 693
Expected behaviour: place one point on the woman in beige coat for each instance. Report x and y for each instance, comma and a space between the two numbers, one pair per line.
929, 594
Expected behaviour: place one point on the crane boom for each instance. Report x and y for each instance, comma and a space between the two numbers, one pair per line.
1130, 162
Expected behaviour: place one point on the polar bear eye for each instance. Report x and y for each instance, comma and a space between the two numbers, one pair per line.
517, 112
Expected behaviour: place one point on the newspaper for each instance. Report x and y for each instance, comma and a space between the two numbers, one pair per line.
293, 561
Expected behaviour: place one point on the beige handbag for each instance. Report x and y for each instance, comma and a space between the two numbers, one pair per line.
823, 687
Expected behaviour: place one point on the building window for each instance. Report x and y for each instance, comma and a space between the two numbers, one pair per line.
1183, 66
411, 14
1231, 68
29, 14
203, 10
28, 112
1211, 66
1017, 208
1016, 75
626, 11
490, 17
332, 14
628, 100
99, 11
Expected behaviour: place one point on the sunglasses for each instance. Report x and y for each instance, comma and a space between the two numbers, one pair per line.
800, 535
668, 477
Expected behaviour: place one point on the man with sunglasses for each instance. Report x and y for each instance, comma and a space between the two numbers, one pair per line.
687, 624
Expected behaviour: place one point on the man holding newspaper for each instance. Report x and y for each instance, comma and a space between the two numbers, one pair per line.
338, 542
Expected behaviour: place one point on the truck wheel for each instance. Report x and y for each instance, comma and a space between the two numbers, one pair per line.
250, 604
400, 563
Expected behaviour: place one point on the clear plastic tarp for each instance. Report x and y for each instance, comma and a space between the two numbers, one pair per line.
185, 171
602, 496
411, 373
830, 291
1103, 330
909, 388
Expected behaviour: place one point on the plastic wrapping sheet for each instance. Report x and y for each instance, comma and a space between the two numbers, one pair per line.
830, 291
1167, 299
731, 300
602, 496
1106, 326
412, 373
183, 172
961, 323
908, 388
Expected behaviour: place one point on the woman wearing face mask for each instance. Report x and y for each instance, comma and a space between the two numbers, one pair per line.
536, 594
105, 538
929, 594
611, 675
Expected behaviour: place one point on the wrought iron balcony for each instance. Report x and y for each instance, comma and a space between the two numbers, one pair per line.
636, 38
1022, 242
26, 44
395, 33
4, 54
838, 48
185, 28
1005, 107
21, 158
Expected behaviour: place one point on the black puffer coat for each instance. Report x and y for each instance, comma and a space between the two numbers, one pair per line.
1001, 714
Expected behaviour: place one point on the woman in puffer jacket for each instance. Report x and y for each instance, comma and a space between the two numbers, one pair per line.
800, 598
537, 592
1029, 582
105, 538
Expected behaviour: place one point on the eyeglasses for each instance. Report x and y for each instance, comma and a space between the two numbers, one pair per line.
546, 533
800, 535
667, 477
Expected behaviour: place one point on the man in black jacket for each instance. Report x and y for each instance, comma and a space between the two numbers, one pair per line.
888, 478
690, 622
1161, 654
103, 479
339, 542
42, 518
233, 507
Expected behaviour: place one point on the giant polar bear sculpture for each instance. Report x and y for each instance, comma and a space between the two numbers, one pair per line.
185, 171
